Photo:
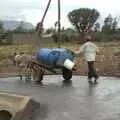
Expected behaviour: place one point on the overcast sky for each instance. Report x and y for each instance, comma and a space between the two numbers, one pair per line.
32, 10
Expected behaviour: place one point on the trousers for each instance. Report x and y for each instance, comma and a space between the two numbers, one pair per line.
91, 70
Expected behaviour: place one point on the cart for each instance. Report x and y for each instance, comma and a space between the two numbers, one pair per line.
53, 60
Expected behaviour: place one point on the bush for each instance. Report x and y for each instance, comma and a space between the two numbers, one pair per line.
64, 37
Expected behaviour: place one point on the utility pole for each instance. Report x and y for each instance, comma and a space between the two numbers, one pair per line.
59, 25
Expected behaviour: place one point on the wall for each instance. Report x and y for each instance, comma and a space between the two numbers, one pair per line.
30, 38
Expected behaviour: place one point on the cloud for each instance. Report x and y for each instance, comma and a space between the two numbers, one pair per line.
11, 9
35, 16
32, 10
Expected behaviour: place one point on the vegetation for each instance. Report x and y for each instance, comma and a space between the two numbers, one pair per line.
83, 19
6, 52
1, 32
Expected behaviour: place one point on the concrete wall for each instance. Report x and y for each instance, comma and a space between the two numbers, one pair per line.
20, 107
30, 38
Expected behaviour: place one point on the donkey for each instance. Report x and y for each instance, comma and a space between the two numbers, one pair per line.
27, 65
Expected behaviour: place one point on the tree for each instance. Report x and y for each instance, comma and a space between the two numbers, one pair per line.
49, 30
1, 28
115, 24
39, 28
97, 27
110, 24
55, 26
83, 19
20, 28
107, 27
2, 35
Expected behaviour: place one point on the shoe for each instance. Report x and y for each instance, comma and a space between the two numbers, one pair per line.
95, 81
90, 81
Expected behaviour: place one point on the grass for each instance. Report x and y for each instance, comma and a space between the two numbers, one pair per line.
7, 51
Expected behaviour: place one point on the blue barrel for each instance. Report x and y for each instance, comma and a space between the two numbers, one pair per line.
50, 56
63, 53
42, 54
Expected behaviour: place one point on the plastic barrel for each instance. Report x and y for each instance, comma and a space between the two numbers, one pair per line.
63, 55
54, 57
42, 54
48, 56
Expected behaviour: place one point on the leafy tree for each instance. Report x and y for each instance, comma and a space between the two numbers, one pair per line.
2, 33
55, 26
1, 28
115, 24
107, 27
110, 24
39, 28
49, 30
83, 19
20, 28
97, 27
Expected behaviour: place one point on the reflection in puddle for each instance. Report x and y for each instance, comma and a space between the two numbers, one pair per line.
67, 83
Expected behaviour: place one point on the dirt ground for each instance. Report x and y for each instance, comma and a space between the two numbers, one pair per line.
105, 66
107, 62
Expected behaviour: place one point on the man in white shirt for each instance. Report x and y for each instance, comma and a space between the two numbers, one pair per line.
89, 49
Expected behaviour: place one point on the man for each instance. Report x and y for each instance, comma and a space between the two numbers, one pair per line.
89, 49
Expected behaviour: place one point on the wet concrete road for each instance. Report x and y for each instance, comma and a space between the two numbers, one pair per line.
75, 101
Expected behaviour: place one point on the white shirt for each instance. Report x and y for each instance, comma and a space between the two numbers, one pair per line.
89, 50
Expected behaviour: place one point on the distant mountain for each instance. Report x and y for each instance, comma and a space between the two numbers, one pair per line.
12, 24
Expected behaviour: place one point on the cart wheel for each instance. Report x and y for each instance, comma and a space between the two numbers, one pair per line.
40, 76
67, 74
39, 81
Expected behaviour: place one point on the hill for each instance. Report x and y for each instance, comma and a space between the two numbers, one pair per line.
12, 24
